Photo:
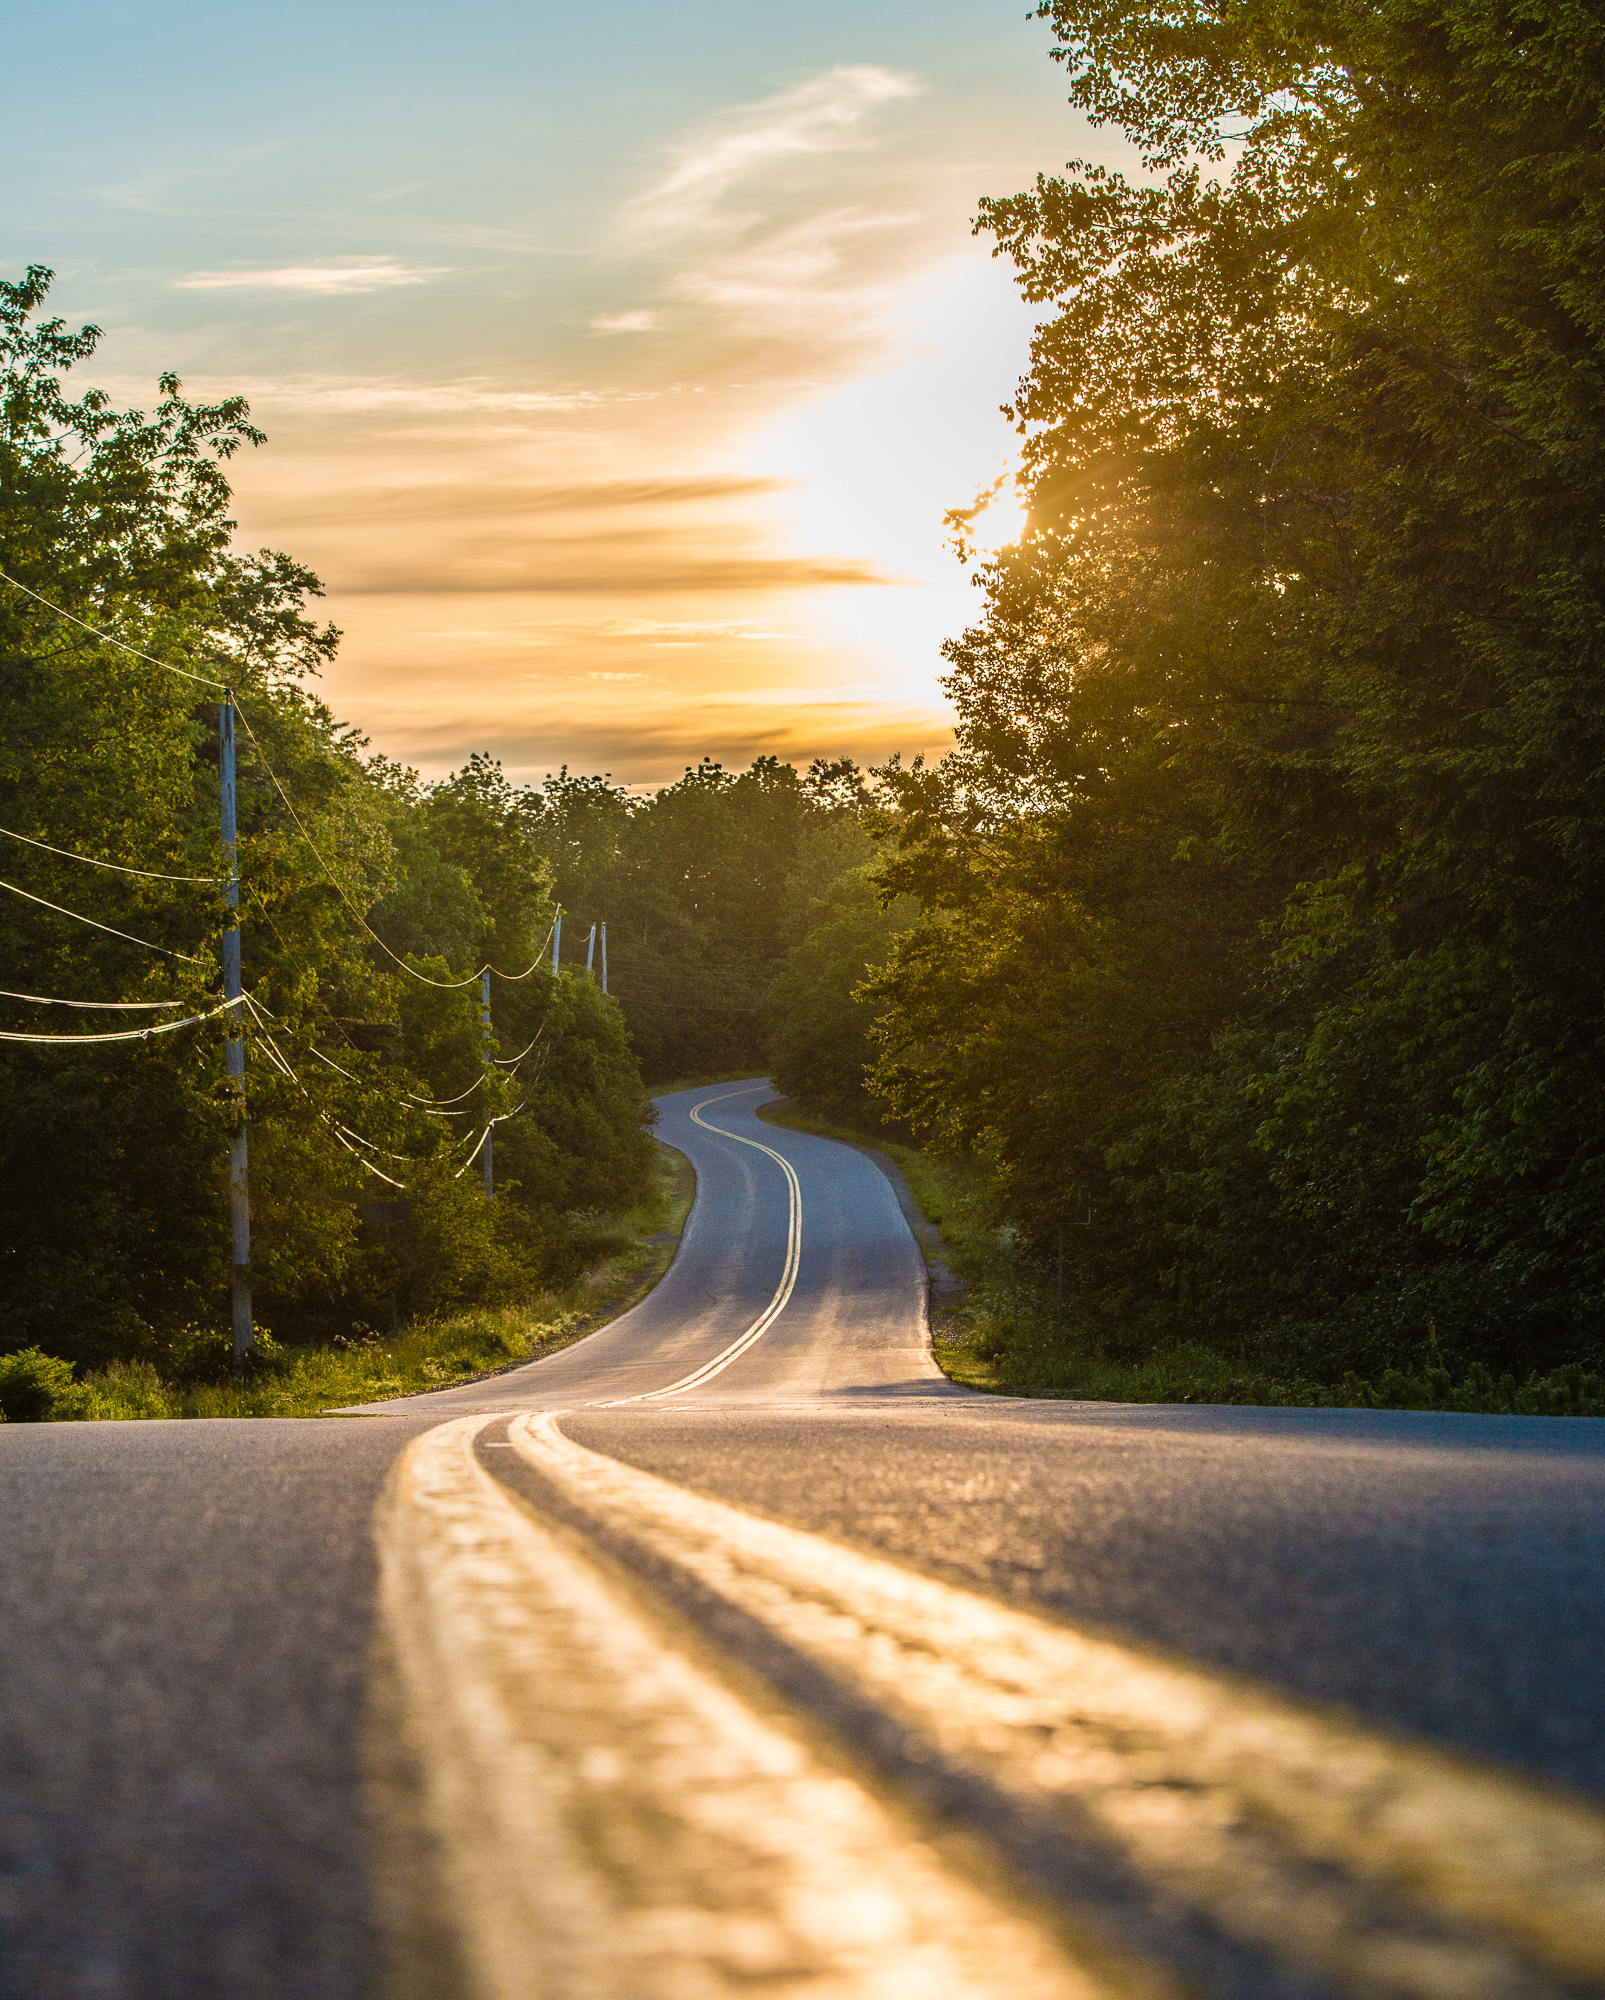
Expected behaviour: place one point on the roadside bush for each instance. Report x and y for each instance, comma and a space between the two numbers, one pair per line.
206, 1354
37, 1388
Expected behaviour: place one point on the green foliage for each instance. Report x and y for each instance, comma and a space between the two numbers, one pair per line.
704, 887
1261, 903
199, 1353
35, 1388
359, 1363
359, 887
819, 1029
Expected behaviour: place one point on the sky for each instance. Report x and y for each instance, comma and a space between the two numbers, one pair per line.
618, 365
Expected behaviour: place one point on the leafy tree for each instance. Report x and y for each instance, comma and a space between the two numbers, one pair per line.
1262, 897
698, 886
367, 903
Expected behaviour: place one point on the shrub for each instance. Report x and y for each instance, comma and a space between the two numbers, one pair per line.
36, 1388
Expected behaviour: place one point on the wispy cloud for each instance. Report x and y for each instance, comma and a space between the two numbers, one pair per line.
626, 631
339, 274
825, 272
599, 570
821, 115
643, 320
354, 395
437, 501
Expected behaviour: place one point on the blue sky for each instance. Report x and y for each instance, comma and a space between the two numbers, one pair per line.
618, 365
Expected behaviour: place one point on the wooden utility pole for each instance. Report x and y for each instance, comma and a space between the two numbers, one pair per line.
239, 1185
490, 1130
1058, 1295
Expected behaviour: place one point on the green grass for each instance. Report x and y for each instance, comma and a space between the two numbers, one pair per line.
428, 1354
993, 1324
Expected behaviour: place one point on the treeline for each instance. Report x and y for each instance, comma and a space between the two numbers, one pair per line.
1261, 955
741, 914
367, 903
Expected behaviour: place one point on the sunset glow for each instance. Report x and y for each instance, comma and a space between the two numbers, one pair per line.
619, 419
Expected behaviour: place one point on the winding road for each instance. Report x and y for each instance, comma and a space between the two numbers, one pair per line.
733, 1650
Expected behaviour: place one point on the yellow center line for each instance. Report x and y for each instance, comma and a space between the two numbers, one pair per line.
788, 1276
1393, 1867
601, 1818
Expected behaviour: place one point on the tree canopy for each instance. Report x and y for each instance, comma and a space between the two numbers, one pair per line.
1261, 900
367, 903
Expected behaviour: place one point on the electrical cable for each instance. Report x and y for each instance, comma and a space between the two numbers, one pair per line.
127, 936
443, 985
122, 1035
94, 1006
276, 1054
474, 1155
440, 1103
149, 874
423, 1104
512, 1062
378, 1172
166, 665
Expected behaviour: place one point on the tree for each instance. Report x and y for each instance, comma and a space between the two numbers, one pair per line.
1263, 893
367, 904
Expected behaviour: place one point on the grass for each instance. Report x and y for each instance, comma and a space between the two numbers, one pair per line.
994, 1323
430, 1353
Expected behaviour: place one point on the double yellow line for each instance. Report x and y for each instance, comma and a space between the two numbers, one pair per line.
788, 1276
570, 1731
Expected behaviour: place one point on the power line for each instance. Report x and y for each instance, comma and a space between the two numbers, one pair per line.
440, 1103
122, 644
127, 936
512, 1062
123, 1035
378, 1172
94, 1006
448, 985
276, 1054
89, 861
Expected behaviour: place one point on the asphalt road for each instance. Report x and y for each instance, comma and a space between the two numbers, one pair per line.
252, 1745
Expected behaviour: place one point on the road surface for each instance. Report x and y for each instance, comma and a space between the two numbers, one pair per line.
735, 1650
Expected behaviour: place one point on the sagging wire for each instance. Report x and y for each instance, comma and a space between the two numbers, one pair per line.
440, 1103
424, 1104
122, 644
127, 936
377, 1172
89, 861
121, 1035
512, 1062
480, 1147
94, 1006
276, 1056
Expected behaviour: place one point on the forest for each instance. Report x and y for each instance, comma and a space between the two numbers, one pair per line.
1246, 956
370, 904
